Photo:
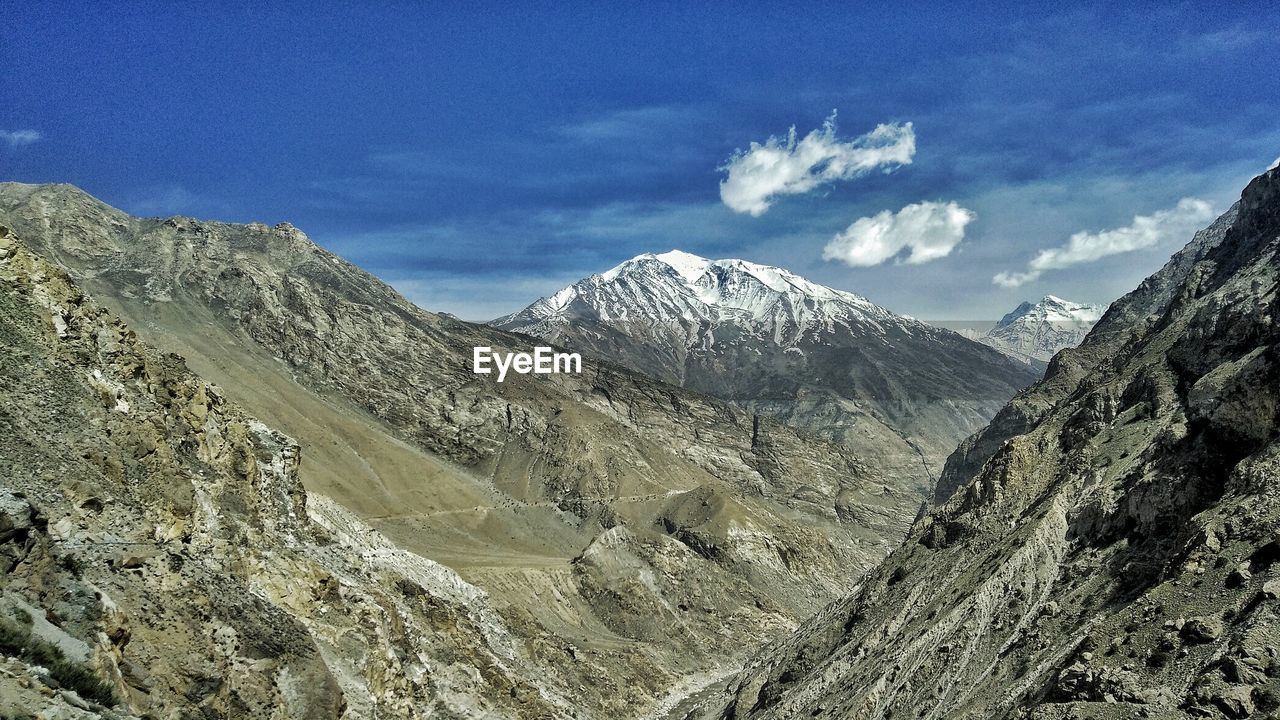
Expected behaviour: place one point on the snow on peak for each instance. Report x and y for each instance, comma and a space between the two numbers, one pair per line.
1054, 309
727, 282
676, 286
1038, 331
1058, 310
563, 297
687, 265
697, 274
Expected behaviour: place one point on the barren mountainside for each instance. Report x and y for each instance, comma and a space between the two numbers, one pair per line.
635, 539
1108, 547
158, 538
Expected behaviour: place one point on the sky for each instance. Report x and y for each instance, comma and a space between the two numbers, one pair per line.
946, 161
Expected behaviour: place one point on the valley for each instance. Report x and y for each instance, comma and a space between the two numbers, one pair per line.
639, 361
580, 506
607, 545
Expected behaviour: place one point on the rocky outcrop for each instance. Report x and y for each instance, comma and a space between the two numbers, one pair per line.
1107, 547
574, 502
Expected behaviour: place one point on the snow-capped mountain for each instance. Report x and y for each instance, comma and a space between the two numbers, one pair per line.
1037, 331
766, 338
684, 298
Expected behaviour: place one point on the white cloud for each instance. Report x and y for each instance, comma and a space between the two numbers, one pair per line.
164, 200
1015, 279
929, 230
1275, 164
1178, 222
785, 166
18, 138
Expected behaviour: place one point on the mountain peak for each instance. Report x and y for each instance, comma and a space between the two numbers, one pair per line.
681, 287
687, 265
825, 360
1037, 331
1052, 308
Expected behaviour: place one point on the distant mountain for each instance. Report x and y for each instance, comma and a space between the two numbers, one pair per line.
1034, 333
891, 388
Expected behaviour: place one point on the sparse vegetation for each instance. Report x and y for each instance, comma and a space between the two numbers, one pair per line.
17, 640
71, 564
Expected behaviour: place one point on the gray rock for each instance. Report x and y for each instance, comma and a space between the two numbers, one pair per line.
1201, 630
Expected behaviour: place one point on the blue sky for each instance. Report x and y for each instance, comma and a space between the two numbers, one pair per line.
478, 156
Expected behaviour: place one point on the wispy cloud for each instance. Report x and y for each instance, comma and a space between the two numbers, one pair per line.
477, 299
927, 230
787, 166
631, 123
1008, 279
470, 266
171, 199
551, 241
1274, 164
20, 138
1226, 39
1145, 231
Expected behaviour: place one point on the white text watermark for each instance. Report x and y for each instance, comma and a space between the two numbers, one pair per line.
542, 361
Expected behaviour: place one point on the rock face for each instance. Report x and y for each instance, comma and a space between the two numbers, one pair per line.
890, 388
1034, 333
1105, 546
603, 539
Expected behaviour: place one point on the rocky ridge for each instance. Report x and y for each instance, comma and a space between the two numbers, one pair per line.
1107, 547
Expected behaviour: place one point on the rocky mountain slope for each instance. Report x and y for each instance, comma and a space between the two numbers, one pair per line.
635, 539
890, 388
159, 556
1108, 547
1034, 333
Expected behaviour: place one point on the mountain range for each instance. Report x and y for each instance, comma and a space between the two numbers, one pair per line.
594, 540
244, 478
898, 392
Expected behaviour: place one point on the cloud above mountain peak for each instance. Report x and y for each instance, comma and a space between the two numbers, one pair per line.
791, 166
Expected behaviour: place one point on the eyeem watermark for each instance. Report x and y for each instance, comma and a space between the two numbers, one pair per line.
542, 361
